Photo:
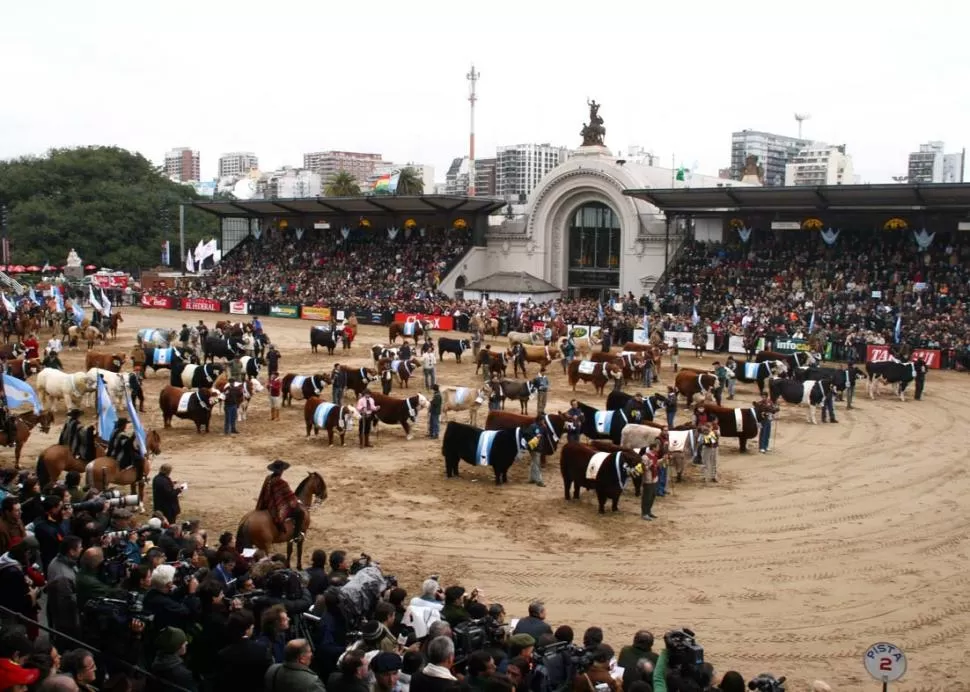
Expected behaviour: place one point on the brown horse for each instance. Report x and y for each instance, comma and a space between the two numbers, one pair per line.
25, 422
258, 529
104, 471
116, 319
57, 459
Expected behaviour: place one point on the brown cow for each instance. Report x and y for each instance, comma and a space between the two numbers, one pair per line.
728, 423
116, 319
10, 351
691, 382
106, 361
396, 329
632, 363
497, 363
543, 355
24, 368
599, 374
198, 408
404, 411
333, 417
613, 473
651, 351
404, 370
359, 378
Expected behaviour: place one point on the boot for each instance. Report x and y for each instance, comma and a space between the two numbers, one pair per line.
367, 440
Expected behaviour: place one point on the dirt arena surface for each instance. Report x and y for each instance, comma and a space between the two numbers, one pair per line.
793, 564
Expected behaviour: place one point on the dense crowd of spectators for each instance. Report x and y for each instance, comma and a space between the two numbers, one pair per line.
366, 271
856, 289
162, 606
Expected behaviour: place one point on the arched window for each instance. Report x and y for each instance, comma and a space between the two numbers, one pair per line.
594, 247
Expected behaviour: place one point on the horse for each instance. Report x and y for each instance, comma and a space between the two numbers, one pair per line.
258, 529
104, 471
24, 423
319, 413
116, 319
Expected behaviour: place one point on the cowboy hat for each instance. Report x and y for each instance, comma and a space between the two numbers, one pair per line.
278, 466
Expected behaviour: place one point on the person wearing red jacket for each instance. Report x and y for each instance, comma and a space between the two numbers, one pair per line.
32, 346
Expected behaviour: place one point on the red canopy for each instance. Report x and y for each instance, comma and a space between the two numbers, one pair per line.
17, 269
33, 268
90, 267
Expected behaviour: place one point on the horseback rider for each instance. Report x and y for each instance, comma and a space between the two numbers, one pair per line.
134, 386
120, 445
71, 433
276, 498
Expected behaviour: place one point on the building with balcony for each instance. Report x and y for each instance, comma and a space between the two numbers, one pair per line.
237, 163
182, 164
328, 163
520, 167
773, 151
931, 165
820, 164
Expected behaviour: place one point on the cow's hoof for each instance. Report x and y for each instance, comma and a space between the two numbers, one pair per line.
410, 437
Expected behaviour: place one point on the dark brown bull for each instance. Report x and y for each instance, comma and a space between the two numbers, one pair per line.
312, 386
691, 382
359, 378
602, 373
610, 478
106, 361
727, 423
336, 418
497, 363
199, 410
393, 411
396, 329
405, 368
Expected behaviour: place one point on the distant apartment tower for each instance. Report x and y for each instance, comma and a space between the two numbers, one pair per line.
820, 164
182, 164
237, 163
931, 165
773, 152
456, 179
520, 167
329, 163
291, 183
424, 171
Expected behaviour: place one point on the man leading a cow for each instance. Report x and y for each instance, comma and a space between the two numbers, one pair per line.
368, 412
279, 501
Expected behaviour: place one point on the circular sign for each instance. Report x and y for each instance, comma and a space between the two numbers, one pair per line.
885, 662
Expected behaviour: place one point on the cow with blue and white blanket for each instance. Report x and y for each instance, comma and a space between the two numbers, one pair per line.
495, 448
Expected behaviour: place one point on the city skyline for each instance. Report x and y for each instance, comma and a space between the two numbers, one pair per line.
111, 61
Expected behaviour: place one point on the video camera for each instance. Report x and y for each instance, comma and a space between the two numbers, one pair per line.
185, 572
683, 649
557, 665
475, 635
766, 682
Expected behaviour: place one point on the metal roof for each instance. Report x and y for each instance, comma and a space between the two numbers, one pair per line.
343, 206
891, 197
512, 282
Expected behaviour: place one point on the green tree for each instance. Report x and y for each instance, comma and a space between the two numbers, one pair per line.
410, 182
111, 205
342, 184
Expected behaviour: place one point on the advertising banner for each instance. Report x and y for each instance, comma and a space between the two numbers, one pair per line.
289, 311
201, 304
538, 327
108, 281
790, 345
310, 312
238, 307
880, 354
685, 340
443, 323
163, 302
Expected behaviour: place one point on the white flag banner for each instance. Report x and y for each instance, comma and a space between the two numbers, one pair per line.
189, 262
299, 234
199, 249
95, 303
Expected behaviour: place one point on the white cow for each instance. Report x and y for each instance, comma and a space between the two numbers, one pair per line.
462, 399
637, 436
115, 382
52, 384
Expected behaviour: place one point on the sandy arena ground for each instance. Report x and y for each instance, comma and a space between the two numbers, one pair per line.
795, 563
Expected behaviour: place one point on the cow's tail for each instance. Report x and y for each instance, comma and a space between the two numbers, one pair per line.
43, 477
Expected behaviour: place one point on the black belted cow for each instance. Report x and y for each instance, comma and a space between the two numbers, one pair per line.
840, 378
321, 336
603, 425
359, 378
652, 405
456, 346
222, 347
193, 376
495, 448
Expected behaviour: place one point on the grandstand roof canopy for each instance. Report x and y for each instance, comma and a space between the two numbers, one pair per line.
343, 206
863, 198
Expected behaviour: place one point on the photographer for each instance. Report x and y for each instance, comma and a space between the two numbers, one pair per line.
242, 664
89, 582
48, 530
17, 593
598, 673
456, 603
167, 610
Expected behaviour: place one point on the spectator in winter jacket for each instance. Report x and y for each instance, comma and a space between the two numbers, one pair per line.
165, 494
168, 666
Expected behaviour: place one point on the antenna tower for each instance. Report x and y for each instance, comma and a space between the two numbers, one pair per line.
800, 118
472, 78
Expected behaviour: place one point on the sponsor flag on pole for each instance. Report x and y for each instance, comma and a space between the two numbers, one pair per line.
19, 392
899, 328
78, 311
695, 318
811, 323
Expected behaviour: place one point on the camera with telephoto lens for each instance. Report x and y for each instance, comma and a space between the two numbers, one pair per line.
185, 572
123, 501
682, 649
766, 682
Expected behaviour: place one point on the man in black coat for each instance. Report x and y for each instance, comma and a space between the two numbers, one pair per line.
535, 624
241, 665
48, 529
15, 594
165, 494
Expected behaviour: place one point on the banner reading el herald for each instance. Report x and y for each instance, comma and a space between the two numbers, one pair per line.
444, 323
201, 304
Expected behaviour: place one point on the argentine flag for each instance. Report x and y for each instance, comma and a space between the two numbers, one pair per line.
599, 311
59, 299
646, 325
107, 416
33, 296
140, 437
899, 328
695, 318
78, 312
811, 323
7, 304
19, 392
93, 299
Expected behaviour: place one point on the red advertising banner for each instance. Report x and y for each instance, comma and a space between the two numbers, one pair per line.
880, 354
163, 302
440, 322
107, 281
201, 304
238, 307
539, 327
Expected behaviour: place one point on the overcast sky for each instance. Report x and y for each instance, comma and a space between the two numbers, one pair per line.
285, 77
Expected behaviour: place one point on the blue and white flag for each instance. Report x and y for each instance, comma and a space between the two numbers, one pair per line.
695, 318
105, 304
518, 307
78, 312
811, 323
33, 296
552, 311
19, 392
59, 299
47, 267
140, 437
93, 299
646, 325
599, 311
899, 328
8, 304
107, 416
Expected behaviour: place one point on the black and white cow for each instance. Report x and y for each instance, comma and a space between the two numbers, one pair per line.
191, 376
810, 393
381, 351
842, 379
456, 346
322, 337
890, 372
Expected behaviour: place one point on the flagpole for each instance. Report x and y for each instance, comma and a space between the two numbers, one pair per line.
182, 232
673, 169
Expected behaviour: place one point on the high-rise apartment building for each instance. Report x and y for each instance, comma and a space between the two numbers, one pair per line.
182, 164
773, 152
456, 179
237, 163
931, 165
520, 167
328, 163
820, 164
